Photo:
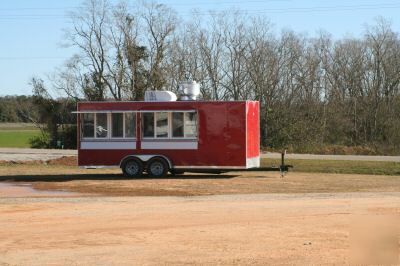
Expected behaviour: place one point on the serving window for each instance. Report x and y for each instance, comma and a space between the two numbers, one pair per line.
101, 125
87, 122
117, 122
108, 125
130, 125
169, 125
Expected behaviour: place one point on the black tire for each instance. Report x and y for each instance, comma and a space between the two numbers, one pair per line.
132, 168
157, 167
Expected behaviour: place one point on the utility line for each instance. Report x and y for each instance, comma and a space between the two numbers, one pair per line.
336, 8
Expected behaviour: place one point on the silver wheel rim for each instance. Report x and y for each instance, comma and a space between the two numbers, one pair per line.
132, 168
157, 168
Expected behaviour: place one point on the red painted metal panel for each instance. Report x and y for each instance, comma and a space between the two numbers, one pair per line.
253, 129
221, 135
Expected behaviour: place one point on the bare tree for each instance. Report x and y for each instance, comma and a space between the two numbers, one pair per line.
160, 22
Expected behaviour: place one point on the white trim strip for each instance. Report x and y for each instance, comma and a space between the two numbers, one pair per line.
108, 145
175, 167
166, 111
99, 166
171, 145
209, 167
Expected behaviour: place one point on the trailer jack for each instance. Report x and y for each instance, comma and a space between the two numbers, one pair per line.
283, 168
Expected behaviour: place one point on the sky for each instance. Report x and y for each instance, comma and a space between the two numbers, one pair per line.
31, 32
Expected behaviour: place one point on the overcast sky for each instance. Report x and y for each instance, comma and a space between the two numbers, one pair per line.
31, 31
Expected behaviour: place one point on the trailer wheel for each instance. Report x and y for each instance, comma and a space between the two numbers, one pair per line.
157, 167
132, 168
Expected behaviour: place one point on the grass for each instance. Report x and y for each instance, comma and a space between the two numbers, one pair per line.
17, 126
16, 135
339, 167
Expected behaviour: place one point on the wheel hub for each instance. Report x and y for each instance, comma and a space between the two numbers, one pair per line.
132, 168
157, 168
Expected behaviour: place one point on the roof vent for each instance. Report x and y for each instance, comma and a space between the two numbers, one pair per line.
159, 96
189, 90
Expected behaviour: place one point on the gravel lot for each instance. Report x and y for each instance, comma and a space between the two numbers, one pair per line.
302, 229
60, 215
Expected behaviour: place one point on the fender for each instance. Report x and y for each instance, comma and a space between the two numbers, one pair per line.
145, 158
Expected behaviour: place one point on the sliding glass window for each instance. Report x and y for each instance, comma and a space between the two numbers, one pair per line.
117, 121
148, 125
177, 125
130, 125
162, 125
101, 125
87, 122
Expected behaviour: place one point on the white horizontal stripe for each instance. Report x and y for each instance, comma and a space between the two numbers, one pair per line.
171, 145
109, 145
169, 111
209, 167
175, 167
99, 166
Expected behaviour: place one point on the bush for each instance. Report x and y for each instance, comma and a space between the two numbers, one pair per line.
68, 137
66, 140
40, 142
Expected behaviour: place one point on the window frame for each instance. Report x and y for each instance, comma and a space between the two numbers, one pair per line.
170, 129
123, 125
109, 127
82, 126
197, 126
172, 125
123, 119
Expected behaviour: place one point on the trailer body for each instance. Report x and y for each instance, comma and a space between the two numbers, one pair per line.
188, 135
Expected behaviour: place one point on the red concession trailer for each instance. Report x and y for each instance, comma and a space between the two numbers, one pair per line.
171, 136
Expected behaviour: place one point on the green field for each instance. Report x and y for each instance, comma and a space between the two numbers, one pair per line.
339, 167
17, 135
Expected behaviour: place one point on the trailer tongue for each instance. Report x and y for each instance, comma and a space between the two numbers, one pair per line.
282, 168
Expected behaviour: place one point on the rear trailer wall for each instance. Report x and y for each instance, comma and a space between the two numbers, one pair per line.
227, 134
253, 134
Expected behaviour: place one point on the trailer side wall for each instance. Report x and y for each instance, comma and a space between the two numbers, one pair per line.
221, 141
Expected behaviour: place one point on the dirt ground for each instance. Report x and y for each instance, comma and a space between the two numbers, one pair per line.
60, 215
263, 229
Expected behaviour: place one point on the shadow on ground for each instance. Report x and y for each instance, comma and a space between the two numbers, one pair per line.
106, 177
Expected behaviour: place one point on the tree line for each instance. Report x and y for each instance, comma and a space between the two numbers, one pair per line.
313, 91
52, 116
15, 108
